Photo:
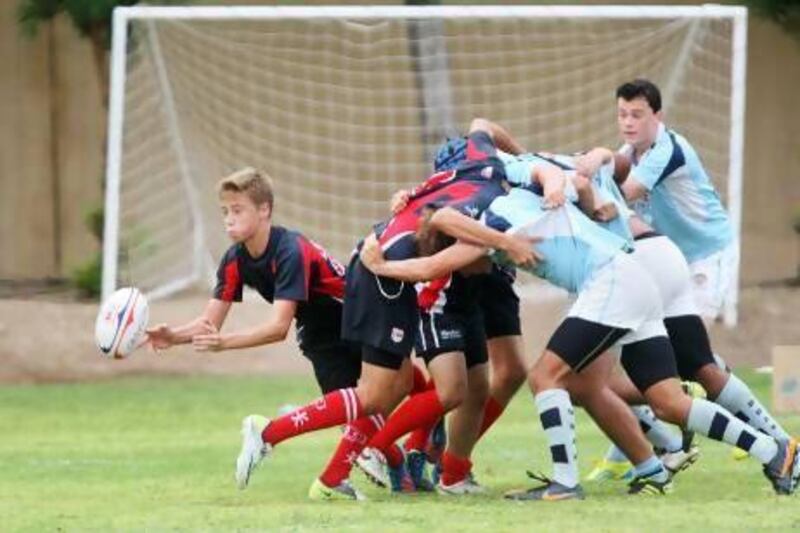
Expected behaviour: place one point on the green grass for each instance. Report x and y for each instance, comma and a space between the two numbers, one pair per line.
158, 454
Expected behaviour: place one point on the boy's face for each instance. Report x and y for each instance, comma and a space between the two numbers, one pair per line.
637, 122
241, 216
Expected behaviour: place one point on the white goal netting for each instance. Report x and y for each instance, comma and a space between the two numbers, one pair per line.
343, 110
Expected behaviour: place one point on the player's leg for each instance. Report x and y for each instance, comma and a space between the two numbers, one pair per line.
573, 347
449, 373
591, 390
463, 427
385, 379
499, 306
650, 364
464, 423
690, 340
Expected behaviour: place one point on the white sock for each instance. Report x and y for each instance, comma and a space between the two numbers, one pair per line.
657, 432
737, 398
716, 423
558, 421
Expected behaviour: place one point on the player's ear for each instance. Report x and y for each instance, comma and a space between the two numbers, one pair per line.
266, 210
660, 115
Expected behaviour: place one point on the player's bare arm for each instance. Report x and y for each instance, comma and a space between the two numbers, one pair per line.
273, 331
502, 138
590, 162
632, 189
452, 258
553, 182
519, 249
163, 336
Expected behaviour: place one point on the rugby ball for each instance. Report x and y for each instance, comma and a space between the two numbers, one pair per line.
121, 323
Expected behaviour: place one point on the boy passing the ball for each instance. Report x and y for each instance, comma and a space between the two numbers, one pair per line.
294, 274
298, 277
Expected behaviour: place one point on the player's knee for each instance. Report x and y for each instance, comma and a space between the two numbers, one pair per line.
674, 410
451, 394
549, 372
374, 400
508, 377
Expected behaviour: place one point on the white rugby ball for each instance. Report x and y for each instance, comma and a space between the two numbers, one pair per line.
121, 323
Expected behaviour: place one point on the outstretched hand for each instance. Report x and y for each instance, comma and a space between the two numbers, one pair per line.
208, 341
159, 337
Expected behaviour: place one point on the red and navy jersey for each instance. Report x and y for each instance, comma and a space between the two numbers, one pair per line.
469, 188
291, 268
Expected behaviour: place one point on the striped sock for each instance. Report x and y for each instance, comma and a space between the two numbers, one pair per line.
716, 423
334, 409
558, 421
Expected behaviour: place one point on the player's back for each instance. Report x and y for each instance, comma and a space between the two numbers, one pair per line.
572, 245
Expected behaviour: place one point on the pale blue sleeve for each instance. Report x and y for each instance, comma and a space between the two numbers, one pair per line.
519, 172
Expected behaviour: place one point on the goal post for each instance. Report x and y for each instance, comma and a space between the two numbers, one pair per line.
342, 105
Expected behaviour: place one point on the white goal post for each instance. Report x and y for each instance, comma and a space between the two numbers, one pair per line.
343, 105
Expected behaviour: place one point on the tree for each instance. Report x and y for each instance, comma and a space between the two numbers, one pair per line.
92, 18
785, 13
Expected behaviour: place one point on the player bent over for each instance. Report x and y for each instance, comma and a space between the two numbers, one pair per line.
617, 303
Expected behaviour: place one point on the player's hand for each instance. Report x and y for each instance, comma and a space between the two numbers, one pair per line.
160, 337
371, 254
554, 198
208, 341
399, 200
588, 164
606, 212
520, 250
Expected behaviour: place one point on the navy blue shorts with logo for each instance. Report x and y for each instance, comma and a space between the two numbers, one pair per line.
453, 324
379, 313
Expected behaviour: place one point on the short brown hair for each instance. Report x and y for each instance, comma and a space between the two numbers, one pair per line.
256, 184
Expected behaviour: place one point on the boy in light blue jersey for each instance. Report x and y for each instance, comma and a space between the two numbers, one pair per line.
671, 190
617, 303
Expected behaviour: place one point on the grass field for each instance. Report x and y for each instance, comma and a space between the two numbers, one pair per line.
157, 454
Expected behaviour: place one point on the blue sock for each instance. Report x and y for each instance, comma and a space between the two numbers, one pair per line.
651, 468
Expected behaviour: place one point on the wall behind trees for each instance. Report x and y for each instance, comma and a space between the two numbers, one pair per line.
52, 132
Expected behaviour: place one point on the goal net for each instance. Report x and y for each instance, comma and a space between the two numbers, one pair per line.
344, 105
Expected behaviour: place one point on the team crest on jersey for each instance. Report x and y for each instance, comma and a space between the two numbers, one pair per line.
487, 172
471, 210
398, 334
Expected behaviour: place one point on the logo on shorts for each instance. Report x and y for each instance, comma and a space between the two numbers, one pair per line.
448, 334
486, 172
398, 334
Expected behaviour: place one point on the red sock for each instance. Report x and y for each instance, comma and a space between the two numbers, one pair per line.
491, 413
394, 456
420, 382
333, 409
356, 436
420, 410
419, 438
454, 468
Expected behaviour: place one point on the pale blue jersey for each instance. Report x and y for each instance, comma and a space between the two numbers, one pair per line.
573, 246
681, 202
518, 174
